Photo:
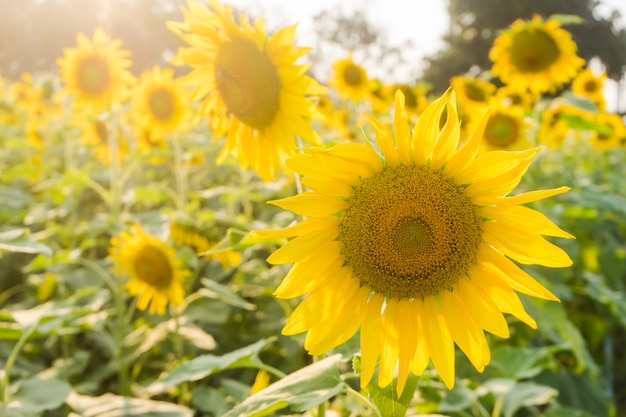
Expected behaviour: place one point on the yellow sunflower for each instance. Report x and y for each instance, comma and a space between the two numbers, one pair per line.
96, 72
587, 84
553, 129
253, 90
536, 54
471, 90
415, 100
188, 234
159, 103
508, 95
94, 132
155, 275
414, 243
350, 80
506, 129
610, 133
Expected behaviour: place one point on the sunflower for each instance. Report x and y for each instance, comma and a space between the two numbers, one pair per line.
505, 129
256, 95
588, 85
610, 132
413, 243
156, 276
159, 103
471, 90
553, 129
350, 80
94, 132
536, 54
415, 100
510, 96
96, 72
188, 234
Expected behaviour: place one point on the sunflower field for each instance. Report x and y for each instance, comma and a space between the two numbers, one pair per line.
248, 240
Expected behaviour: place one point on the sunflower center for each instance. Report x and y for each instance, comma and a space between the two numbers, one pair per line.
153, 267
161, 104
474, 92
501, 130
101, 131
410, 99
591, 86
93, 75
409, 232
248, 83
352, 75
534, 51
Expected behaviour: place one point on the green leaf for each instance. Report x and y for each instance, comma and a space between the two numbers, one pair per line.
109, 405
387, 400
37, 395
458, 399
19, 240
205, 365
526, 394
301, 390
566, 412
567, 19
597, 200
220, 292
521, 362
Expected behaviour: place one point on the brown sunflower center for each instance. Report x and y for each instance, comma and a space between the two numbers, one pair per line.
248, 83
352, 75
101, 131
501, 131
474, 92
591, 86
161, 104
93, 75
534, 51
153, 267
409, 232
410, 99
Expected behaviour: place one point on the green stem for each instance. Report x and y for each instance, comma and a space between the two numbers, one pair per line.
363, 399
115, 206
179, 348
122, 320
4, 383
180, 172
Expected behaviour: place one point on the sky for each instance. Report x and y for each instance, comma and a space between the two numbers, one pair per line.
423, 22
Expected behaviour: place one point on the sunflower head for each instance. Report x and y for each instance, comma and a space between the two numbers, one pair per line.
587, 84
506, 129
249, 84
535, 54
95, 73
414, 240
609, 133
471, 90
350, 79
154, 273
158, 103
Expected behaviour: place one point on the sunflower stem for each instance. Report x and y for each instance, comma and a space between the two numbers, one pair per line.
362, 398
4, 382
179, 348
114, 167
180, 172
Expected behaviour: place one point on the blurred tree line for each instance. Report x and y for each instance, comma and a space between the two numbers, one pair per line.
474, 25
34, 33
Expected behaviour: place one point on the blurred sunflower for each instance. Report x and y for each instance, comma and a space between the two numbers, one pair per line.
610, 132
350, 80
188, 234
95, 73
155, 275
414, 246
506, 129
510, 96
253, 90
587, 84
536, 54
158, 102
471, 90
151, 145
553, 129
415, 100
94, 132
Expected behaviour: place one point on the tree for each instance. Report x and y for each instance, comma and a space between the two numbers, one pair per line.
474, 25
